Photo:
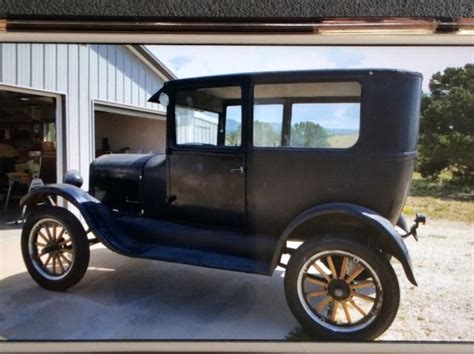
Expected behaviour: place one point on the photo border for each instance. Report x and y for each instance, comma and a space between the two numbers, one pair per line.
411, 37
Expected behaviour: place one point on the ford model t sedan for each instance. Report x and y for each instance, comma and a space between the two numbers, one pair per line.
310, 166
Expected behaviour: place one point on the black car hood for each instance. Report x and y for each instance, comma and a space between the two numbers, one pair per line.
119, 166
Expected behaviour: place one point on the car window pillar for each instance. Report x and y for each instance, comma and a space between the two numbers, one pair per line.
286, 124
221, 127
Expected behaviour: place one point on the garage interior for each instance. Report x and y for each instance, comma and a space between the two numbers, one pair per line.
128, 132
27, 146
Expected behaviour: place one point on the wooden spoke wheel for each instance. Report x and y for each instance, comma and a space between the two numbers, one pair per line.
51, 248
326, 294
55, 248
334, 296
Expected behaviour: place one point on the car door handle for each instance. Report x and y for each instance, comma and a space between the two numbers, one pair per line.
240, 169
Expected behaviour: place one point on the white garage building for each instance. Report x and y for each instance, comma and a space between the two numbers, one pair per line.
73, 102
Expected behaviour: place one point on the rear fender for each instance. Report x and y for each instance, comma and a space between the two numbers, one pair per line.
382, 232
98, 217
403, 224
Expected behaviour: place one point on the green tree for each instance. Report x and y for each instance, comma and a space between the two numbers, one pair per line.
447, 125
233, 138
265, 135
308, 134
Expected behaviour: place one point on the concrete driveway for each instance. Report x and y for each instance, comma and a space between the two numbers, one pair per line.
126, 298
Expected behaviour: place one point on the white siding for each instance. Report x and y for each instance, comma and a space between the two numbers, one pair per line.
9, 63
194, 127
82, 73
50, 68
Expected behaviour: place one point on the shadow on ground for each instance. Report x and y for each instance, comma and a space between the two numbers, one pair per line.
126, 298
10, 220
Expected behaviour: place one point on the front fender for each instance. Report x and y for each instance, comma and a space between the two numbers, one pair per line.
385, 233
98, 217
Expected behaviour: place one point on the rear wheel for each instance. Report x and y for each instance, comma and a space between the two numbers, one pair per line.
55, 248
327, 296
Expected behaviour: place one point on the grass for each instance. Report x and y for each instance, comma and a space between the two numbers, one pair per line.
440, 200
342, 140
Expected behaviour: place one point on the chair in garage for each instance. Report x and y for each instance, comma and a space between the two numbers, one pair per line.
27, 177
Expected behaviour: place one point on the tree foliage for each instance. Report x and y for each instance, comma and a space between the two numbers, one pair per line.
447, 125
304, 134
233, 138
309, 134
265, 135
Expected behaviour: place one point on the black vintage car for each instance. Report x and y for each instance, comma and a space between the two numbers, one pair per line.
254, 162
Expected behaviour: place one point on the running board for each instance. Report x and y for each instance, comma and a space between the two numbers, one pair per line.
182, 243
206, 259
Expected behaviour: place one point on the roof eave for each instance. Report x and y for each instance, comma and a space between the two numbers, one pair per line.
151, 59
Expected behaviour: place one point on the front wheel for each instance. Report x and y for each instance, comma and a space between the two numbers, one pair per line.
55, 248
329, 299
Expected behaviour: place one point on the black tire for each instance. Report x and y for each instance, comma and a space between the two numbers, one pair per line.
77, 247
326, 327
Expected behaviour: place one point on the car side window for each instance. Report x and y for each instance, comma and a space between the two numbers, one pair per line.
307, 115
209, 116
233, 126
324, 125
267, 124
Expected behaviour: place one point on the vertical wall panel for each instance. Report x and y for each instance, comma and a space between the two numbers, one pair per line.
85, 138
111, 73
93, 94
62, 69
93, 71
61, 78
102, 72
50, 67
37, 65
119, 87
141, 86
24, 64
148, 85
72, 104
127, 79
135, 78
9, 62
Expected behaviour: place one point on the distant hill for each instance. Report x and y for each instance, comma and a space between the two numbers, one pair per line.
341, 131
231, 125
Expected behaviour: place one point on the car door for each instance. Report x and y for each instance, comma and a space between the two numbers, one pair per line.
207, 164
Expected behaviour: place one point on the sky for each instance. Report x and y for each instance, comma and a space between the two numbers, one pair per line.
191, 61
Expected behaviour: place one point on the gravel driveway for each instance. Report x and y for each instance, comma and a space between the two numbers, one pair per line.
124, 298
441, 307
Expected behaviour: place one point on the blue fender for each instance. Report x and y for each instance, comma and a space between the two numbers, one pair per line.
98, 217
385, 232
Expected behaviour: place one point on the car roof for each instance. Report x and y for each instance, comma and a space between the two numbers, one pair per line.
276, 76
290, 74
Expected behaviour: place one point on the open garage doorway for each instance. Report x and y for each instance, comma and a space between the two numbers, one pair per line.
120, 129
28, 145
